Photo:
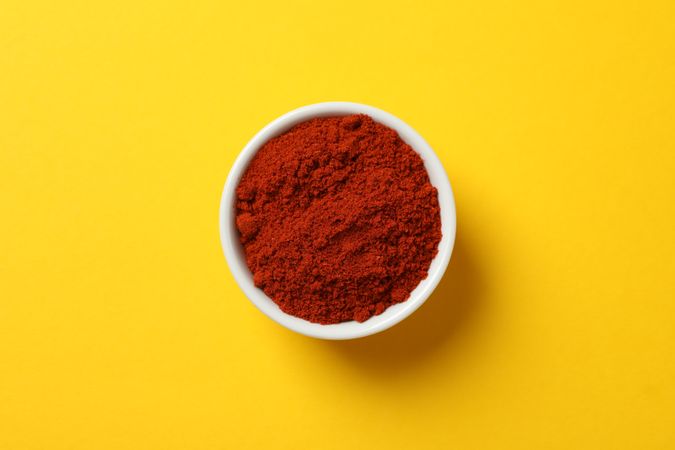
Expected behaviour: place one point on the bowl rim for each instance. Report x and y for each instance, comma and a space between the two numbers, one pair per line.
395, 313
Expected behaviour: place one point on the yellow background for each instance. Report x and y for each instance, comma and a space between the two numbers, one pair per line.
121, 326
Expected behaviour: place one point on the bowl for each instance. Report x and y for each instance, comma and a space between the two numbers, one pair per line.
234, 253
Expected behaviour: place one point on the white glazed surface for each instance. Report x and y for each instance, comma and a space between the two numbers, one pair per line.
347, 330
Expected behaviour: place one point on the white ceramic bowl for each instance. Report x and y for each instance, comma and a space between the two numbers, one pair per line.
234, 254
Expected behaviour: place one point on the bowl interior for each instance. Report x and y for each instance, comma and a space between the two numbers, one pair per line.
234, 252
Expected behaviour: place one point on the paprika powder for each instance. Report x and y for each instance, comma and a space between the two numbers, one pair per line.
338, 219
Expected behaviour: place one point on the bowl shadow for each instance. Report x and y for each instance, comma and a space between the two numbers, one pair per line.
446, 315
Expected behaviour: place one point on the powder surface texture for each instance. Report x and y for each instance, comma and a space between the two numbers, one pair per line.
338, 219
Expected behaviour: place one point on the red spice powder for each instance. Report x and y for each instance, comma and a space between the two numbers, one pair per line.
338, 219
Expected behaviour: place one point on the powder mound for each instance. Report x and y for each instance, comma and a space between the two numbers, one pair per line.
338, 219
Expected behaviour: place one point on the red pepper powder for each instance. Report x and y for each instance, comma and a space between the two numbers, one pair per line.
338, 219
